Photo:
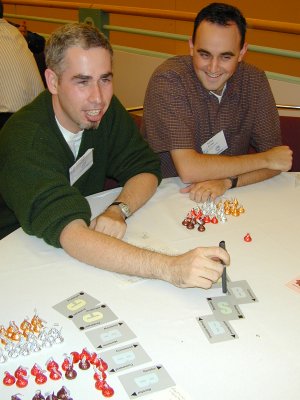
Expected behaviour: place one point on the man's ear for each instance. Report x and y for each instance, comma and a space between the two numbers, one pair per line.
243, 51
52, 80
191, 46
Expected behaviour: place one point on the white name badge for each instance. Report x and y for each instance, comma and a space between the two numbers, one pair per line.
216, 145
81, 166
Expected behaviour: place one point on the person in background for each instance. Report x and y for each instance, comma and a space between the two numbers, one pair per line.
62, 146
20, 80
204, 111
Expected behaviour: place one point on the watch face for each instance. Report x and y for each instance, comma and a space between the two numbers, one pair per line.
125, 209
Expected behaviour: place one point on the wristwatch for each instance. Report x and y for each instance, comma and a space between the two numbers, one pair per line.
234, 181
123, 207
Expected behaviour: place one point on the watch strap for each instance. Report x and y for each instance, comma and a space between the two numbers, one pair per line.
234, 181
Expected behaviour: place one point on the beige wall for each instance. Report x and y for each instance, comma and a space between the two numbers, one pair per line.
274, 10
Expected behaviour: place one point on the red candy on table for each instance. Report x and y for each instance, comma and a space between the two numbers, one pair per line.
50, 364
20, 372
85, 353
67, 363
22, 382
107, 391
41, 378
76, 357
99, 384
35, 370
247, 238
103, 365
55, 374
8, 379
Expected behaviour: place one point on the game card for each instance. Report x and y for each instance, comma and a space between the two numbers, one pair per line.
76, 304
224, 308
294, 284
241, 292
110, 335
216, 330
146, 381
93, 316
125, 357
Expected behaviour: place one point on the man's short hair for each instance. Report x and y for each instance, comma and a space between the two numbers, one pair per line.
222, 14
76, 34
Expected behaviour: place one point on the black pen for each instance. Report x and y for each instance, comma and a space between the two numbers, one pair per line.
224, 276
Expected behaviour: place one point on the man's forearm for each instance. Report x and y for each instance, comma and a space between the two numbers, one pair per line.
138, 190
194, 167
256, 176
106, 252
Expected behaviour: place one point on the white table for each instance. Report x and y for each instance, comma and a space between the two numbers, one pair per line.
262, 364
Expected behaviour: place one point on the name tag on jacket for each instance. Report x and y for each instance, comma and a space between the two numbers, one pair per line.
215, 145
81, 166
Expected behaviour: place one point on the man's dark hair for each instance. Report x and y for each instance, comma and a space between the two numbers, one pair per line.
1, 9
222, 14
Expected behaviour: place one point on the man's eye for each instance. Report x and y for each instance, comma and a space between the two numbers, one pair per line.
106, 80
226, 57
204, 55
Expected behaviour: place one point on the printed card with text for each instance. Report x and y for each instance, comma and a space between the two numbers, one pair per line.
224, 308
125, 357
110, 335
146, 381
75, 304
94, 316
216, 330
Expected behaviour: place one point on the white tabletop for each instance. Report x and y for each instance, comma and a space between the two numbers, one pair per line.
262, 363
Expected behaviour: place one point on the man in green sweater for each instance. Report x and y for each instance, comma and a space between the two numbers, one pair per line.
63, 145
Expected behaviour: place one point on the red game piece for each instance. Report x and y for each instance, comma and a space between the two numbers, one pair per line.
50, 364
41, 378
55, 374
85, 353
22, 382
35, 370
206, 219
214, 220
248, 238
76, 357
201, 228
8, 379
67, 363
103, 365
107, 391
99, 384
20, 372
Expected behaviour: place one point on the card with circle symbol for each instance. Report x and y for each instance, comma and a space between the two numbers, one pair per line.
224, 308
146, 381
93, 316
216, 330
125, 357
241, 292
75, 304
107, 336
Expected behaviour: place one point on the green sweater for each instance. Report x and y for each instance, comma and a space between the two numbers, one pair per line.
35, 160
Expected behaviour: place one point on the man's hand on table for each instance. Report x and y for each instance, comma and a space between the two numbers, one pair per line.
200, 267
202, 191
111, 222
